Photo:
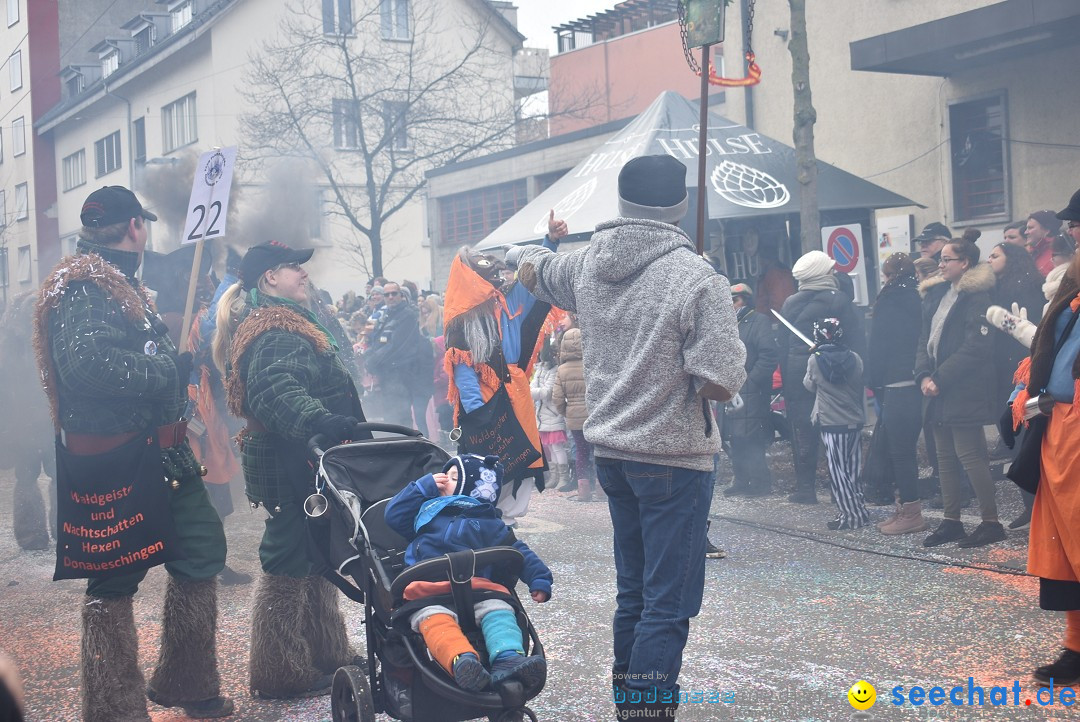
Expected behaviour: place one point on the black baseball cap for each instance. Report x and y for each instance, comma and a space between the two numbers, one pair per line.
112, 204
1072, 211
265, 256
932, 232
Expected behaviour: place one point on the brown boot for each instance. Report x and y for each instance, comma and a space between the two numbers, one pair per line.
584, 490
281, 664
908, 521
112, 682
187, 673
892, 517
324, 627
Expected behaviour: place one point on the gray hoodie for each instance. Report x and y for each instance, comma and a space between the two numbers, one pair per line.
658, 324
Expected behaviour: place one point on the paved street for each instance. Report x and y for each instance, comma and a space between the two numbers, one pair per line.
792, 618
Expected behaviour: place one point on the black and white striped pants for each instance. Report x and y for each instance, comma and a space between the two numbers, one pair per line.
843, 451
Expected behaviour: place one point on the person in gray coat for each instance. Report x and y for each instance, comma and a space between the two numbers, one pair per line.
662, 343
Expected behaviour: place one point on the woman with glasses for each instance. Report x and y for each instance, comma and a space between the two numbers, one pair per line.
284, 376
956, 382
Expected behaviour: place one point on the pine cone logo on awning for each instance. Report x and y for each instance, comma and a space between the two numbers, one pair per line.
749, 187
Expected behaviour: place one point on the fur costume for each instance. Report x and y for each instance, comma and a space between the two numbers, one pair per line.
259, 321
83, 267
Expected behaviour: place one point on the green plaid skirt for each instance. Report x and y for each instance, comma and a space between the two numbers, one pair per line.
277, 473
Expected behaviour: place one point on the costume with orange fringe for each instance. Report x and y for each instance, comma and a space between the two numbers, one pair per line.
522, 321
1054, 541
214, 446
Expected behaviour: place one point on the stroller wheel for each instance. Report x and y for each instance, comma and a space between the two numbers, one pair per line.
514, 715
350, 697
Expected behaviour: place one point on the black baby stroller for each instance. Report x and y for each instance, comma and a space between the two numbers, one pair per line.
354, 483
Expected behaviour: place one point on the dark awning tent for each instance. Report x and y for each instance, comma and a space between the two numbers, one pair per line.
749, 175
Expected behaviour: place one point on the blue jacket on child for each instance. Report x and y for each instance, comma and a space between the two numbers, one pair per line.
437, 525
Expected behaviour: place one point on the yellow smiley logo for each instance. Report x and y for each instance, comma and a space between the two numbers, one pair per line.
862, 695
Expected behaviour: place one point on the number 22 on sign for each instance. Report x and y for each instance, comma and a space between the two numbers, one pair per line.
208, 208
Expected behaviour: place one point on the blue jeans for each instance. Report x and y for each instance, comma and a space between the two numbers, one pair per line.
658, 514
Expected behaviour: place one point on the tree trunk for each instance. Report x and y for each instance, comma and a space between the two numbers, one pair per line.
805, 117
375, 241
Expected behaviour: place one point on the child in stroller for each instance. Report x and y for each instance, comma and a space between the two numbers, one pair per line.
452, 511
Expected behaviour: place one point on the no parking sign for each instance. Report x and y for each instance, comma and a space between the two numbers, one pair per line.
844, 244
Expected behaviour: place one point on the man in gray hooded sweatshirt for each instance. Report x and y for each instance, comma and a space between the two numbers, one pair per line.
660, 340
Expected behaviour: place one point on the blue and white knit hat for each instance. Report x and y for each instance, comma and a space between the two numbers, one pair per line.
480, 477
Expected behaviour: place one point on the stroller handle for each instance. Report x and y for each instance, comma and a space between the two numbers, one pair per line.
318, 441
388, 428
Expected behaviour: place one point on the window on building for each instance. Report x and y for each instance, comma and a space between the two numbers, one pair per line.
1, 147
318, 212
12, 12
69, 244
346, 124
15, 70
977, 132
74, 85
110, 63
178, 127
396, 122
18, 136
3, 210
107, 154
145, 39
337, 17
138, 130
22, 202
24, 271
4, 283
75, 169
181, 14
466, 218
394, 15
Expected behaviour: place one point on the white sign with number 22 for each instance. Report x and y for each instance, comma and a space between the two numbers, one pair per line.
209, 205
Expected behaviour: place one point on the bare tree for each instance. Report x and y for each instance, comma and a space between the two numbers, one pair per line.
375, 102
805, 117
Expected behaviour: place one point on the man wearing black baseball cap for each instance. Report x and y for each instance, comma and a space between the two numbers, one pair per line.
932, 239
268, 256
287, 379
114, 378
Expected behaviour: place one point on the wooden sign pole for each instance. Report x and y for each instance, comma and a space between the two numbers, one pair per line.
193, 283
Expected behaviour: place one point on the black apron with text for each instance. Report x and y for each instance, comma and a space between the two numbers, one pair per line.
113, 514
494, 430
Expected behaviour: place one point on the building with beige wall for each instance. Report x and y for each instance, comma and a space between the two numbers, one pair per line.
957, 105
168, 83
913, 94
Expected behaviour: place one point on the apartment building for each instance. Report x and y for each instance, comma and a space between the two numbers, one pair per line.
169, 81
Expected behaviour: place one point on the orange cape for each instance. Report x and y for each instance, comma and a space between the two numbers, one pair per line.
466, 290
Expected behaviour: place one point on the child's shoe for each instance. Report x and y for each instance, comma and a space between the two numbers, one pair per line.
530, 671
470, 674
